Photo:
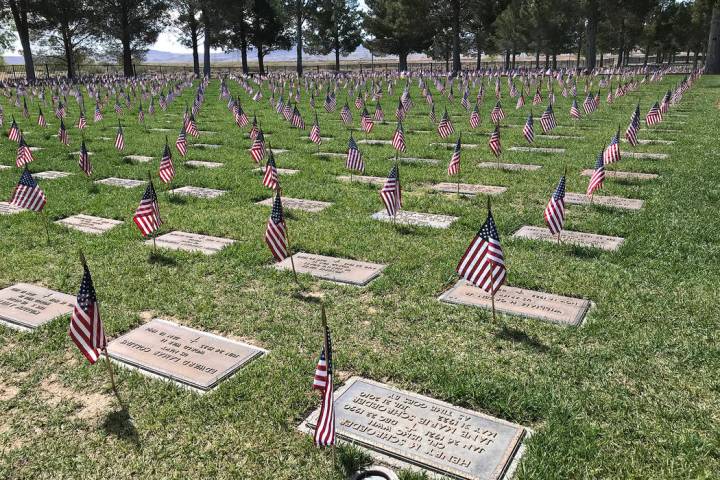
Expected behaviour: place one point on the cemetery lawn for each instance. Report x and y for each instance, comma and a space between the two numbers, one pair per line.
632, 393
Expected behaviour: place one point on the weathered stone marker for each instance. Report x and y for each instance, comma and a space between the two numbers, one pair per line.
468, 189
604, 200
412, 429
89, 224
191, 242
342, 270
199, 192
312, 206
582, 239
26, 307
121, 182
190, 357
522, 302
419, 219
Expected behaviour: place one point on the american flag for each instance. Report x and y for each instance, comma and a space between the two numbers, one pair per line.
633, 127
497, 114
346, 114
589, 104
400, 111
241, 118
612, 152
141, 113
60, 111
181, 142
147, 216
537, 99
24, 155
276, 231
14, 133
254, 129
653, 116
555, 211
191, 126
257, 150
41, 118
359, 103
391, 193
379, 114
118, 108
354, 159
454, 165
315, 132
63, 134
398, 140
82, 123
324, 435
330, 103
521, 100
270, 179
598, 176
167, 169
494, 142
98, 113
475, 117
431, 115
464, 102
296, 120
529, 129
120, 138
84, 160
547, 119
445, 127
86, 327
483, 263
366, 121
27, 194
574, 110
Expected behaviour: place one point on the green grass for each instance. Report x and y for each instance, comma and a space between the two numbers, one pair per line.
633, 393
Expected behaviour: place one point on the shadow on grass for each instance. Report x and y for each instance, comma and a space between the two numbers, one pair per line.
176, 199
583, 252
351, 459
93, 188
518, 336
120, 424
307, 296
159, 258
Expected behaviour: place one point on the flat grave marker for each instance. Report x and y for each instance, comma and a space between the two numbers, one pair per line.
559, 137
199, 192
25, 307
341, 270
651, 141
407, 428
537, 150
468, 189
281, 171
191, 242
380, 181
427, 161
189, 357
623, 175
205, 145
8, 209
419, 219
89, 224
374, 142
50, 175
652, 156
604, 200
313, 206
582, 239
75, 154
330, 154
199, 163
37, 149
509, 166
519, 301
452, 145
121, 182
5, 167
138, 158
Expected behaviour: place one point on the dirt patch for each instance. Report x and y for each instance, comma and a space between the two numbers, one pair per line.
91, 405
8, 392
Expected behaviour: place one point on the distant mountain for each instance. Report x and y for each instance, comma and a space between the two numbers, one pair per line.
159, 56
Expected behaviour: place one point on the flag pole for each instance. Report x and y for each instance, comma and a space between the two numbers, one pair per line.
153, 234
105, 352
492, 276
397, 207
323, 318
292, 262
458, 176
47, 226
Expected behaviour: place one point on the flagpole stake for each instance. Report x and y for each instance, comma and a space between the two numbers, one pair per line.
47, 227
112, 378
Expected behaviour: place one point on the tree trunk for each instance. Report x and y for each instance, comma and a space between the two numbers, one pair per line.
336, 47
402, 61
513, 59
243, 47
68, 47
554, 61
601, 59
621, 49
456, 37
206, 45
579, 51
712, 57
507, 59
298, 34
260, 57
21, 25
695, 59
547, 60
591, 38
196, 55
537, 59
478, 47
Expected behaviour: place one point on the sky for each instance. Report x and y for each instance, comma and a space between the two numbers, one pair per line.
166, 41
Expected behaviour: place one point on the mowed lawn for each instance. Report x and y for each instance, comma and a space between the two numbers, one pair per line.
632, 393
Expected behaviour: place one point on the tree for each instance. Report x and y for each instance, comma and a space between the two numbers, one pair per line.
132, 25
64, 28
20, 10
213, 25
399, 27
592, 14
712, 57
187, 27
511, 32
237, 26
480, 19
334, 28
298, 11
267, 29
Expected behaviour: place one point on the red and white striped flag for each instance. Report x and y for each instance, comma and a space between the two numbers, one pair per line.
84, 160
24, 155
86, 327
324, 435
454, 165
147, 216
167, 169
120, 138
276, 231
555, 210
391, 192
270, 179
483, 263
27, 194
